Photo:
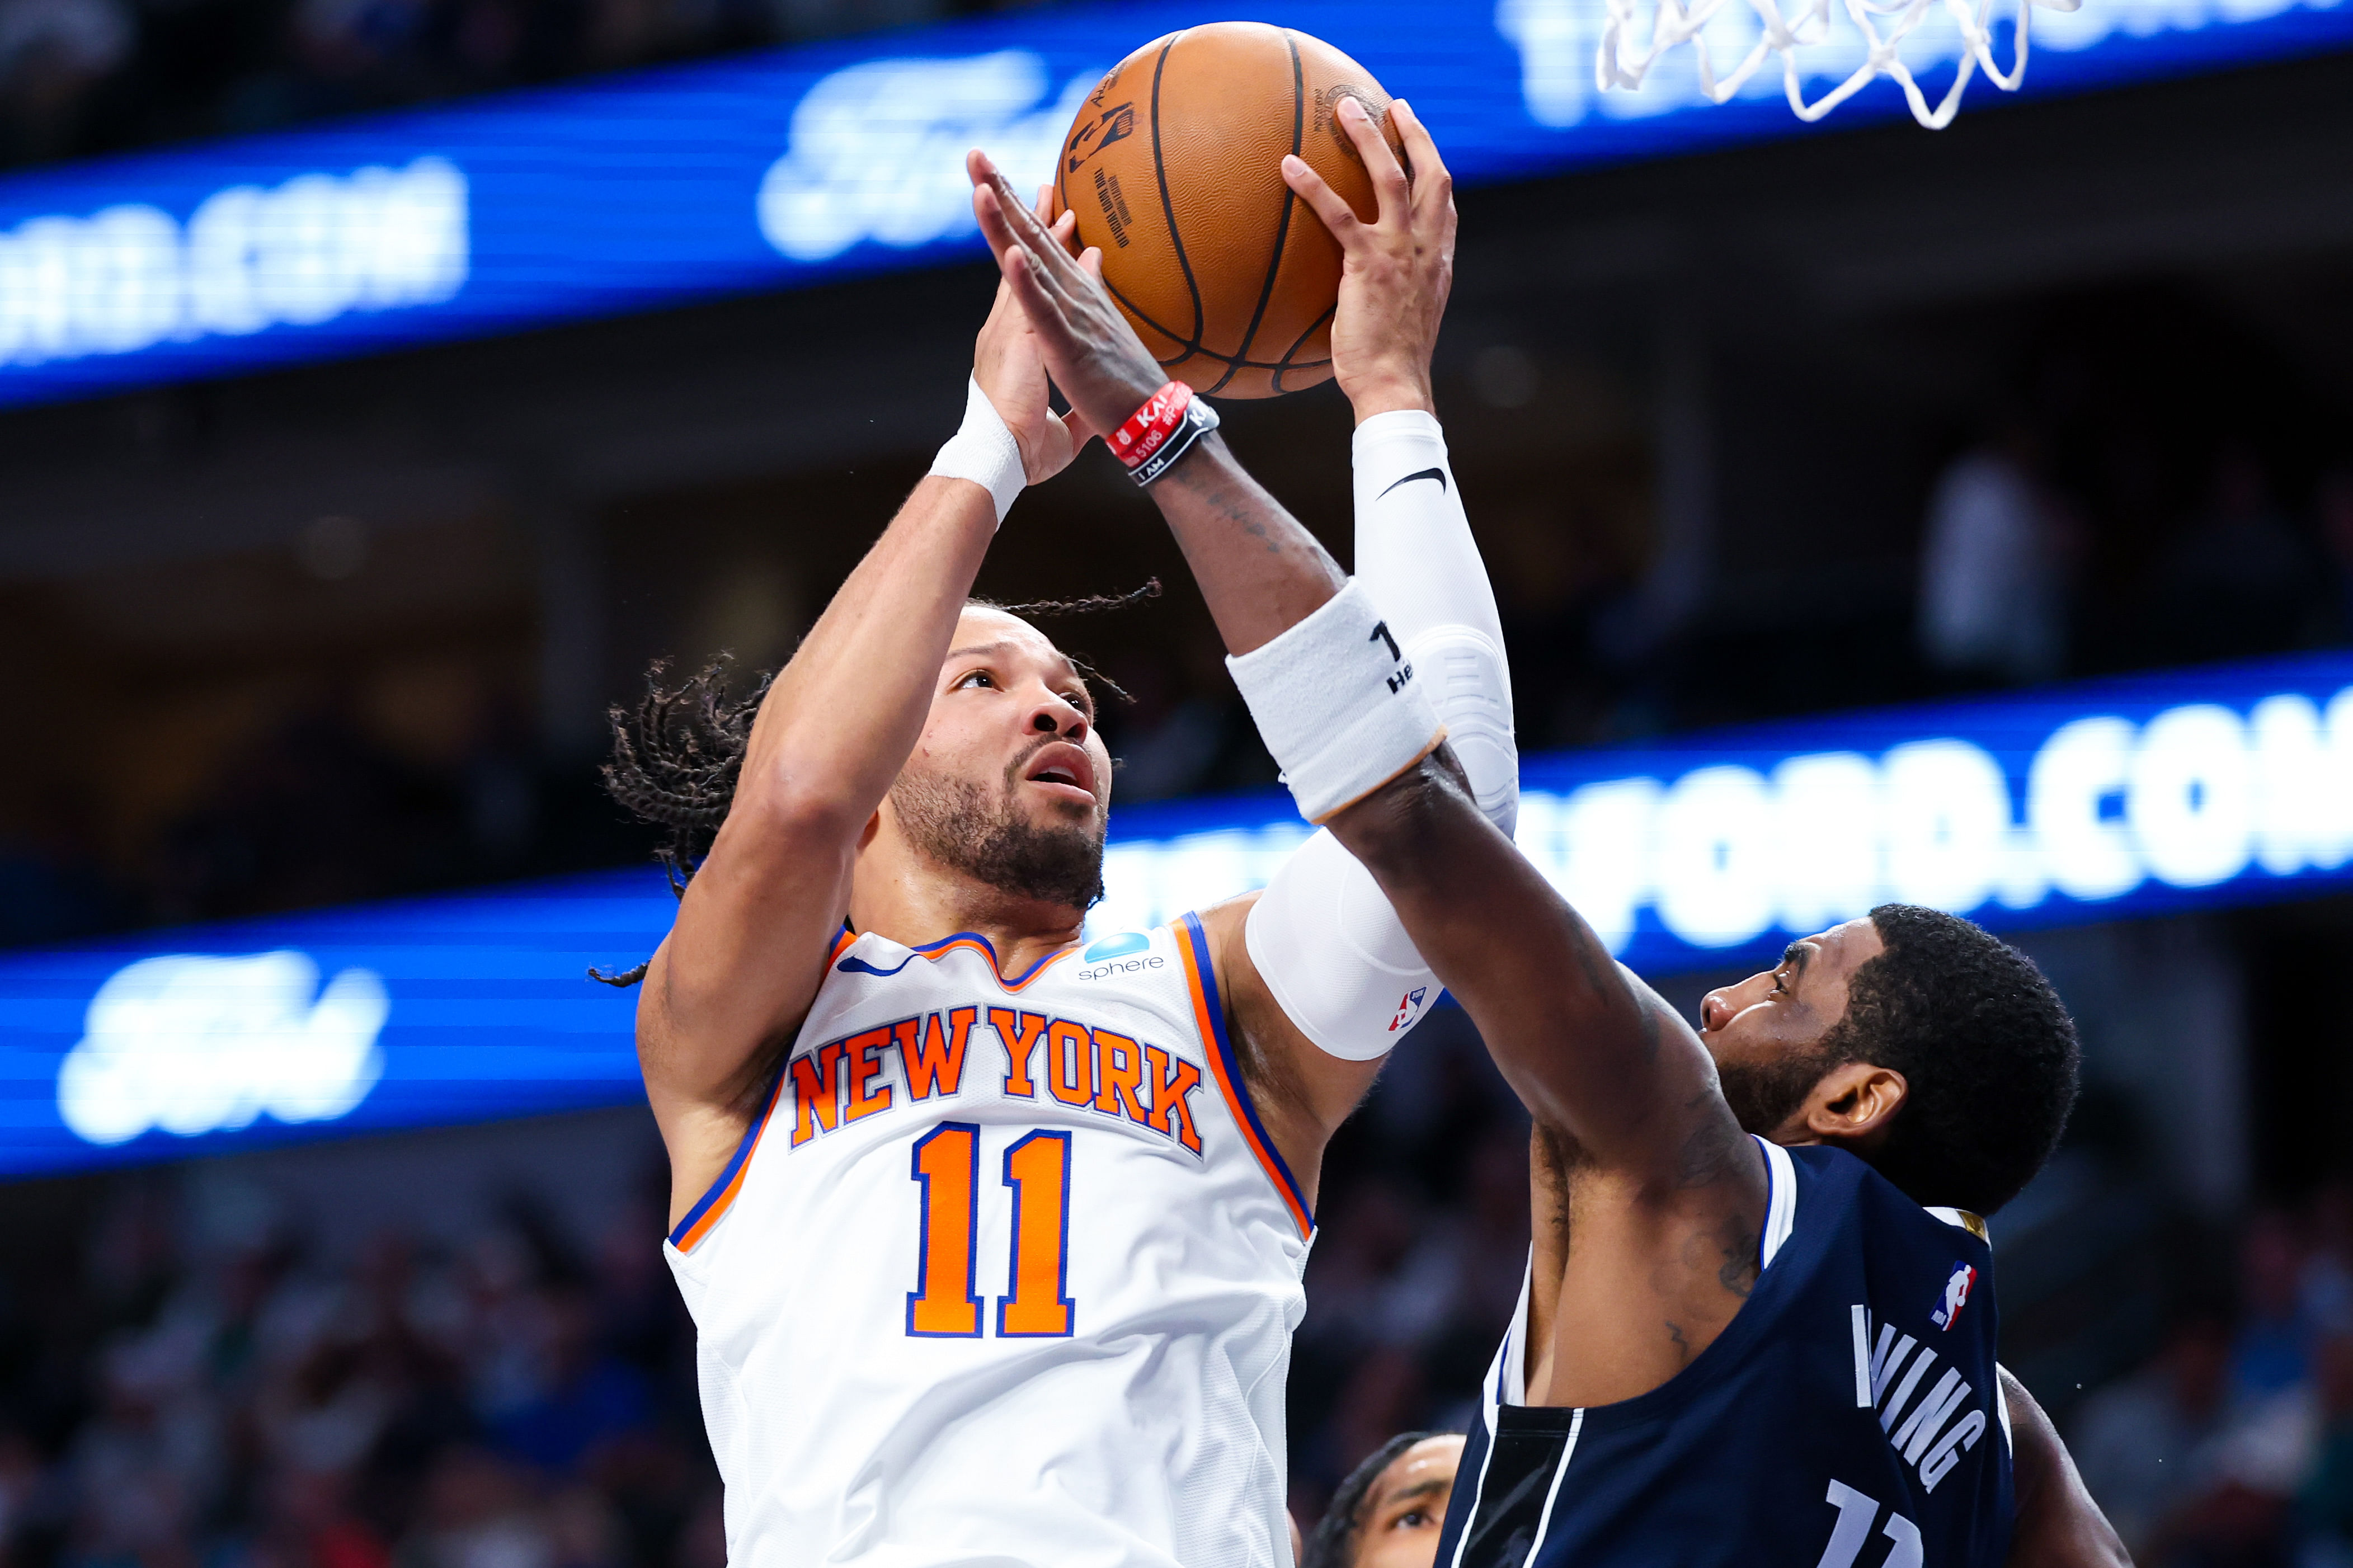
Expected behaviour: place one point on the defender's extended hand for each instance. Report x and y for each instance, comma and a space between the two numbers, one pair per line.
1396, 271
1011, 370
1093, 355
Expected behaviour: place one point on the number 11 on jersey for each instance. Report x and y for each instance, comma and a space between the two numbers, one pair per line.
945, 1301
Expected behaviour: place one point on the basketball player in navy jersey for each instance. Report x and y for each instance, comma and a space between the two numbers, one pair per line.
1759, 1324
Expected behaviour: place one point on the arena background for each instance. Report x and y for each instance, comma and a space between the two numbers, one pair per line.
296, 625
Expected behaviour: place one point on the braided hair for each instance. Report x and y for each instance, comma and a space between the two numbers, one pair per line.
678, 753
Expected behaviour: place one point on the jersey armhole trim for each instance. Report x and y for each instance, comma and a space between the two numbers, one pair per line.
1781, 1203
1210, 1016
721, 1195
1486, 1457
715, 1204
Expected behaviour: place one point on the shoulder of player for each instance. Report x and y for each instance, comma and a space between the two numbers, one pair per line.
1889, 1203
1302, 1092
1267, 1044
1223, 921
712, 1057
1255, 1021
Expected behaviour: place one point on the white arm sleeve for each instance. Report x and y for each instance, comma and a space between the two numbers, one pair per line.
1417, 560
1333, 952
1328, 945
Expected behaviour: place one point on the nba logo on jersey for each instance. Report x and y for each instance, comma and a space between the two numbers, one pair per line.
1957, 1296
1408, 1008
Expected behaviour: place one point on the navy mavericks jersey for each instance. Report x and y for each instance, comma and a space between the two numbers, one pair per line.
1848, 1416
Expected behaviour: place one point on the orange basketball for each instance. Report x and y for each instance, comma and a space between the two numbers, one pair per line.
1175, 169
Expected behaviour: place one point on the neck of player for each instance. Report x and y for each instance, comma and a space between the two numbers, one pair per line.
903, 895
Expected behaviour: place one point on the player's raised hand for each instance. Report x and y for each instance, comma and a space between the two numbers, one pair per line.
1093, 355
1396, 271
1011, 370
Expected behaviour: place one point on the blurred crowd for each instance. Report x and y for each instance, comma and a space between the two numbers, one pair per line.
2233, 1447
88, 75
2014, 588
523, 1399
313, 810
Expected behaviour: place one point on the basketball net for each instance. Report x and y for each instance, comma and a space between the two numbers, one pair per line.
1882, 23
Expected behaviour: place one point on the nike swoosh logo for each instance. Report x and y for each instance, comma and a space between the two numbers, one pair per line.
859, 966
1437, 474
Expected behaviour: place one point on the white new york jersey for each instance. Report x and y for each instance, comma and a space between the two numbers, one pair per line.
1005, 1273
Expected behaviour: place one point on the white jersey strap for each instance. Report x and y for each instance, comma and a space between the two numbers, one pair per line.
1781, 1203
1508, 1383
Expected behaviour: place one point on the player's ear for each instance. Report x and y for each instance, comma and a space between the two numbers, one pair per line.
1854, 1102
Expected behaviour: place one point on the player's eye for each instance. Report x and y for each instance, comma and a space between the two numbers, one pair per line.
976, 678
1780, 982
1411, 1519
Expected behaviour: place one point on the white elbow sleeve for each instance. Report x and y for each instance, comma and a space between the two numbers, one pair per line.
1335, 955
1416, 558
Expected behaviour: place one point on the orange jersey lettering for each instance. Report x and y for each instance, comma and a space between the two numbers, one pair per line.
932, 1056
817, 1092
1019, 1032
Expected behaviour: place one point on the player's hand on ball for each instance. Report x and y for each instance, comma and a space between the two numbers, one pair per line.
1093, 355
1396, 271
1011, 370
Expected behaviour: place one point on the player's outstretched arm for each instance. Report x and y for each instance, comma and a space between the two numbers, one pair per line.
743, 961
1415, 553
2058, 1525
1623, 1082
1592, 1052
1261, 573
1336, 965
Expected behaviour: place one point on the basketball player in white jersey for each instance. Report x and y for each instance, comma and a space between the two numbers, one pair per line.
992, 1244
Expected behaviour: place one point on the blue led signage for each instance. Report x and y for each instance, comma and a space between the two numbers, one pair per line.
769, 171
2094, 802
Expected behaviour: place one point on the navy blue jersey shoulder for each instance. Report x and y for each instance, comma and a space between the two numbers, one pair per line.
1848, 1417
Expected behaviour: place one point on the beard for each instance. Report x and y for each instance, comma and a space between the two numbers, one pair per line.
962, 827
1764, 1095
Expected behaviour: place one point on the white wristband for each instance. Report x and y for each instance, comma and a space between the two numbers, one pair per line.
984, 451
1337, 705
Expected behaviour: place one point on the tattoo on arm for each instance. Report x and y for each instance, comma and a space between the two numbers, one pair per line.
1738, 1238
1712, 1149
1598, 969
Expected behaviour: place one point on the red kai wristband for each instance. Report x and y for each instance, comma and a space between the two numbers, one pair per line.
1162, 431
